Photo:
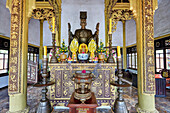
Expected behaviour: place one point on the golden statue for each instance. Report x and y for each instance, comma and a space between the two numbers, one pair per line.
83, 35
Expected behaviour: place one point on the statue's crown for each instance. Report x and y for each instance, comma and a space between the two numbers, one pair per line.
83, 15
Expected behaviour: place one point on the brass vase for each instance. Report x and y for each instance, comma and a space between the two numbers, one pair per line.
63, 57
101, 57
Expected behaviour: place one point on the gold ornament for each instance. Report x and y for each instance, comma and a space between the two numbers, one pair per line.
74, 47
92, 48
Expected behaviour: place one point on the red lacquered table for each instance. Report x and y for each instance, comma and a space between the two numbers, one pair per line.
75, 105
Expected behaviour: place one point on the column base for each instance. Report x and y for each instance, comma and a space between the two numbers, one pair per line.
26, 110
140, 110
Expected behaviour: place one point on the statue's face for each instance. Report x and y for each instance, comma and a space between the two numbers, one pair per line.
83, 22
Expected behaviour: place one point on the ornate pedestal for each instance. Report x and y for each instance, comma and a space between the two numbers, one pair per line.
61, 92
76, 106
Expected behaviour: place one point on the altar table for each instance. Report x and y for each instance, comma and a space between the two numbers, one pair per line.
61, 92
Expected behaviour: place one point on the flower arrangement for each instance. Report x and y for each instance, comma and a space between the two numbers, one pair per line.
100, 48
63, 49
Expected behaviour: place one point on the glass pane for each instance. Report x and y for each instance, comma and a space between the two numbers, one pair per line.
28, 56
6, 64
127, 60
157, 70
133, 60
130, 60
161, 61
167, 58
35, 60
4, 71
1, 56
157, 60
136, 60
31, 56
1, 64
4, 51
6, 56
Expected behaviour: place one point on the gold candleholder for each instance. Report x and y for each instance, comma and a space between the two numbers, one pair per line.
53, 58
110, 58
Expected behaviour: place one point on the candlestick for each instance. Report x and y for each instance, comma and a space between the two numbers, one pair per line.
45, 50
110, 26
118, 51
53, 58
110, 58
119, 105
53, 30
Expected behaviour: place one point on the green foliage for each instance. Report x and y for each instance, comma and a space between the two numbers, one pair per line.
63, 49
101, 48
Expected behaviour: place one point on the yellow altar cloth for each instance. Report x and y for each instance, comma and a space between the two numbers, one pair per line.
60, 93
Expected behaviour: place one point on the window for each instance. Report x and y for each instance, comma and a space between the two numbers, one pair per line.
162, 54
159, 60
132, 58
4, 53
33, 54
3, 61
167, 58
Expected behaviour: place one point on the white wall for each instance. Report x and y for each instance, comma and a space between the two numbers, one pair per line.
117, 36
5, 19
162, 18
47, 34
71, 14
34, 32
130, 29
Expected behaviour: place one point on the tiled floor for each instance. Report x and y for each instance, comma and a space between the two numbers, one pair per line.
130, 96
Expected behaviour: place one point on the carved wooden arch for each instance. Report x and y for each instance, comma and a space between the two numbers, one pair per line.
45, 14
120, 15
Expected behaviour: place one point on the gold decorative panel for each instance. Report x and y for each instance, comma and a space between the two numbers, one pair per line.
149, 65
60, 93
15, 47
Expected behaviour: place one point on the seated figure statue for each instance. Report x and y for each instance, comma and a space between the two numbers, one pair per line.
83, 35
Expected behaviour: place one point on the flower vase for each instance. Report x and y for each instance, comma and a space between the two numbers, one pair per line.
63, 57
101, 58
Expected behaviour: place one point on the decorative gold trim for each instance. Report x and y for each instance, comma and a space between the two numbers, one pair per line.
5, 37
121, 6
131, 45
163, 36
124, 45
61, 72
43, 5
33, 45
157, 38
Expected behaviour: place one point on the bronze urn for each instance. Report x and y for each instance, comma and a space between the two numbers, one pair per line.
83, 80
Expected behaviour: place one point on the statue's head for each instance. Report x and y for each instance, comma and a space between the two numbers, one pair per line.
83, 17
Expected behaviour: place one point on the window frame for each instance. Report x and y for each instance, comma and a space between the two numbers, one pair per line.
35, 53
129, 52
5, 45
160, 45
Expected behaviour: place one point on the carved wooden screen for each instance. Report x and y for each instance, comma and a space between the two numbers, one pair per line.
32, 72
